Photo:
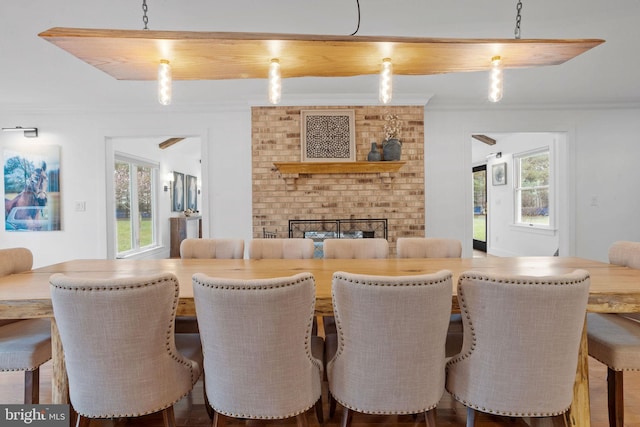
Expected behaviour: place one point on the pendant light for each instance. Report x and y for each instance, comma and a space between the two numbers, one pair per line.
385, 91
275, 82
496, 79
164, 82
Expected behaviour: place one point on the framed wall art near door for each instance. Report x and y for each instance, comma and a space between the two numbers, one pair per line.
499, 173
192, 192
328, 136
177, 199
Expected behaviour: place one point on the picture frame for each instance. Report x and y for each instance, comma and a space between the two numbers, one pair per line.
499, 174
191, 190
328, 135
32, 191
177, 192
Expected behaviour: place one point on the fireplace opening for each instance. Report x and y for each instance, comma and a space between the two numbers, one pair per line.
321, 229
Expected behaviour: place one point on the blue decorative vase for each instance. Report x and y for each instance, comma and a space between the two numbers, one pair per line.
374, 155
391, 149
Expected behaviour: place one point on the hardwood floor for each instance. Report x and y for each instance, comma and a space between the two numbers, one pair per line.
190, 411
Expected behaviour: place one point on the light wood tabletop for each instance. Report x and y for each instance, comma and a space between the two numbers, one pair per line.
613, 289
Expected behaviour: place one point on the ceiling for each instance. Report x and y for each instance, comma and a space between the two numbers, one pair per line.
37, 75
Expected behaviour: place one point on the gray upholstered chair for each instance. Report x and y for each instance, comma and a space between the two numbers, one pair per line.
521, 341
121, 354
614, 339
434, 247
347, 249
356, 248
212, 248
24, 344
261, 361
391, 353
428, 247
218, 248
274, 248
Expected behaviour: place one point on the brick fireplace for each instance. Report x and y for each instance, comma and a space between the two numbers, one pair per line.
279, 197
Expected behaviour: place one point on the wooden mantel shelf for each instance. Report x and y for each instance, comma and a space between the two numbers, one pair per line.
337, 167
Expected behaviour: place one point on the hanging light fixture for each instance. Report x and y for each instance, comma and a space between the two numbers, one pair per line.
164, 82
496, 79
385, 91
275, 82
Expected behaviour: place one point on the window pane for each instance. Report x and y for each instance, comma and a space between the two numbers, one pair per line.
122, 185
145, 203
480, 205
534, 170
534, 206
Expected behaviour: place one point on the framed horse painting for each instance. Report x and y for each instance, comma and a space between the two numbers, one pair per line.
32, 188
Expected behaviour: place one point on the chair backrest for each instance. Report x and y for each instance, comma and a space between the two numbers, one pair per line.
14, 260
118, 342
521, 339
391, 341
212, 248
356, 248
428, 247
625, 253
272, 248
256, 341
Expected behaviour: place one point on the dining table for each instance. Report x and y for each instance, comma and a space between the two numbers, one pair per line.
613, 289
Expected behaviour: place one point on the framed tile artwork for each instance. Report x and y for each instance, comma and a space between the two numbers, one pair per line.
328, 136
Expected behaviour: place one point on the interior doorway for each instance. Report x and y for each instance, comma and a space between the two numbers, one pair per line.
480, 208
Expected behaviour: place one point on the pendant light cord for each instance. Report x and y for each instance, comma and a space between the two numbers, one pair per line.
358, 27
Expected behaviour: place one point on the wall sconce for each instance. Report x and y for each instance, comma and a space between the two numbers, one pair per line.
28, 132
168, 186
496, 155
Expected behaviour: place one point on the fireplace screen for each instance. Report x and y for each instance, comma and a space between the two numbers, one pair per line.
321, 229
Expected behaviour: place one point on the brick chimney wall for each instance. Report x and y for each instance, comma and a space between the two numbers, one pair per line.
276, 138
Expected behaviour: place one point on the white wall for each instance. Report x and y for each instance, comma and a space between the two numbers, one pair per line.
604, 150
226, 170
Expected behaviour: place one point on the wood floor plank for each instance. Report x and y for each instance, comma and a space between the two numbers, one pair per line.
190, 411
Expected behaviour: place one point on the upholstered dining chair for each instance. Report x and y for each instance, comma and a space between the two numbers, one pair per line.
436, 247
521, 341
24, 344
122, 357
390, 357
274, 248
347, 249
614, 339
428, 247
216, 248
356, 248
261, 361
219, 248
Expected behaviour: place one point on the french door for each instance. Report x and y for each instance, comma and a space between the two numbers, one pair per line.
480, 208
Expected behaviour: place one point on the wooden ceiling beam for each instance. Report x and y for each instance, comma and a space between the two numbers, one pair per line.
169, 142
484, 138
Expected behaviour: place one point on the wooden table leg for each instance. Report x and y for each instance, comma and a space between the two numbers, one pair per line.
580, 415
60, 382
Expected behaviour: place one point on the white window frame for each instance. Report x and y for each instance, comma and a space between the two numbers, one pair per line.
551, 189
135, 161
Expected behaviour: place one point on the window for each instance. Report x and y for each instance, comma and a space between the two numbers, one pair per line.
135, 202
533, 192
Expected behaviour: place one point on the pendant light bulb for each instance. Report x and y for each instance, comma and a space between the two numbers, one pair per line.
164, 82
275, 82
385, 91
496, 80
